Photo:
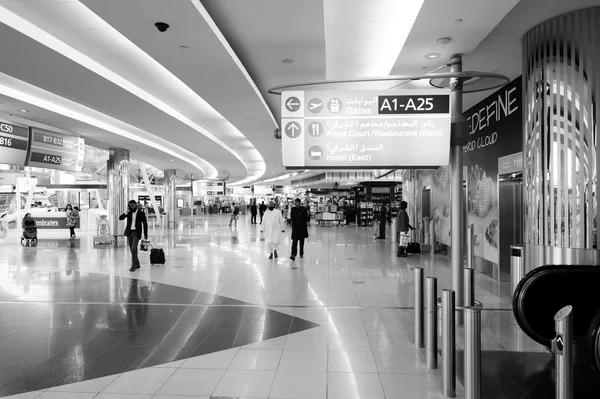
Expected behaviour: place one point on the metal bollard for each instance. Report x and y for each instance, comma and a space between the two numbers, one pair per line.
431, 327
448, 345
418, 281
470, 245
563, 348
432, 236
472, 352
469, 287
516, 267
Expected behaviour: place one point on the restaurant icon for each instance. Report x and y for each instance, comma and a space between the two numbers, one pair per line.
334, 105
315, 153
315, 129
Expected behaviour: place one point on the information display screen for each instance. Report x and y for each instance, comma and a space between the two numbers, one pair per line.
55, 150
365, 129
14, 141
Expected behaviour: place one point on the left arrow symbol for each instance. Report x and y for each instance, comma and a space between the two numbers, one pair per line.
292, 104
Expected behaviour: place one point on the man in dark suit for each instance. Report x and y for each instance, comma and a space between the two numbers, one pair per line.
253, 211
262, 209
136, 222
300, 219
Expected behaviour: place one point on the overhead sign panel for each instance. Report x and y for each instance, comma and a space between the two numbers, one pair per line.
14, 141
365, 129
55, 151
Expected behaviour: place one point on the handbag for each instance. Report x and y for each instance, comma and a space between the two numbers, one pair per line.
145, 245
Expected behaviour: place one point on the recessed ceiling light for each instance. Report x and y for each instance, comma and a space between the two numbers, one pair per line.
24, 110
228, 94
432, 56
171, 160
249, 120
287, 61
443, 40
424, 67
183, 47
458, 21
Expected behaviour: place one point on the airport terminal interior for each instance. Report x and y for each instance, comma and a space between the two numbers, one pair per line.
299, 199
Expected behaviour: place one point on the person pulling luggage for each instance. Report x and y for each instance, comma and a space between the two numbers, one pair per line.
136, 225
403, 228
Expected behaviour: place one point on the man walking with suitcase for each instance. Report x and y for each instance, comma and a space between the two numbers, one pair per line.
136, 222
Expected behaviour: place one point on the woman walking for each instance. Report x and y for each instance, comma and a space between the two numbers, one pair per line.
72, 219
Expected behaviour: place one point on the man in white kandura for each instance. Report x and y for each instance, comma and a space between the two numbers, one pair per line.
272, 225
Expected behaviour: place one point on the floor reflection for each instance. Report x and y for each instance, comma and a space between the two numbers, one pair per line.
105, 325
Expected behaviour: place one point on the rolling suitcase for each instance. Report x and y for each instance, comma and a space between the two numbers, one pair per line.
413, 247
157, 256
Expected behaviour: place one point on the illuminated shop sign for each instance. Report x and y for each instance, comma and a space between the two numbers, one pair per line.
14, 141
365, 129
55, 150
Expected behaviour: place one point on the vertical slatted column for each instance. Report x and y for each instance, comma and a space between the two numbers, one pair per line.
561, 63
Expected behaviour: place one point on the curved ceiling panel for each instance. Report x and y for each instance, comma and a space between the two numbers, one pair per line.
82, 36
58, 113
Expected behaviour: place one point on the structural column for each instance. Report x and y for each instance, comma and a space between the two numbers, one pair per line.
458, 138
561, 152
170, 199
117, 171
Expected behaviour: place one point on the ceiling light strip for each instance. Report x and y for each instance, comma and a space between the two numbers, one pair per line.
210, 172
365, 38
18, 23
233, 55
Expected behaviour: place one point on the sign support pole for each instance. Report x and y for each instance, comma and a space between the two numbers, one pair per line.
456, 163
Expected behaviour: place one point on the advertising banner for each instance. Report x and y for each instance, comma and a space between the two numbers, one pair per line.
365, 129
14, 141
495, 131
55, 151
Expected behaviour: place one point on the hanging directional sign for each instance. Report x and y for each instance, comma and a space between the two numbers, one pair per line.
55, 150
14, 141
366, 129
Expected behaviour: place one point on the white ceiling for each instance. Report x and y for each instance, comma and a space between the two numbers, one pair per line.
218, 85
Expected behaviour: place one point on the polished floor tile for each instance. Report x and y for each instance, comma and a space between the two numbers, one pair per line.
354, 386
256, 360
352, 362
192, 381
299, 384
245, 384
219, 319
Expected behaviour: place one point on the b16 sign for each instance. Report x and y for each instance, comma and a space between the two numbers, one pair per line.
365, 129
55, 151
14, 141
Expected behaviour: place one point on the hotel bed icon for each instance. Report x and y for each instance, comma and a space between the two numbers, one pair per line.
315, 153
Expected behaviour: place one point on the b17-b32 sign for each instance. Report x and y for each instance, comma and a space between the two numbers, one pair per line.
365, 129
